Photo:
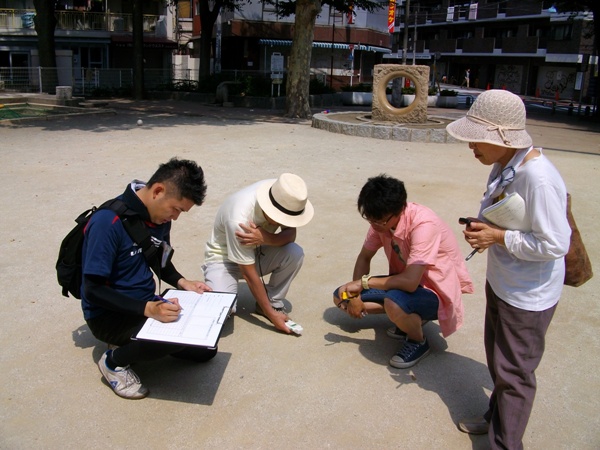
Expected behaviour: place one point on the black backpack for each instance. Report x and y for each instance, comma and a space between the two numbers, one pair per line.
68, 265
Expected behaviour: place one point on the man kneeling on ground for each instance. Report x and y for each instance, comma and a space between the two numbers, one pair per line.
254, 235
119, 291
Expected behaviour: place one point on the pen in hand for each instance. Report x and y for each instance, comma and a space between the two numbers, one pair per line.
467, 222
162, 299
471, 254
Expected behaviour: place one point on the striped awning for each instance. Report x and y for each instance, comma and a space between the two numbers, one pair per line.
336, 45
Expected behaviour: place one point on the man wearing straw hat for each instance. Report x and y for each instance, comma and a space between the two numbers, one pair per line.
525, 264
253, 235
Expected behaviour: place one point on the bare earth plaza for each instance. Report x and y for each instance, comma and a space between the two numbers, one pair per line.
332, 387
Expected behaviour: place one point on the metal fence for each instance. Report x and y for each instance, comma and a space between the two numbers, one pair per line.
83, 81
18, 19
87, 82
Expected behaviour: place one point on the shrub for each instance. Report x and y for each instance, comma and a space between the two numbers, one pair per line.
448, 93
208, 85
433, 90
317, 87
184, 85
409, 90
101, 92
252, 86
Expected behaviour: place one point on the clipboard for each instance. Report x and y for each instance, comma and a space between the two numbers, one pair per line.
200, 322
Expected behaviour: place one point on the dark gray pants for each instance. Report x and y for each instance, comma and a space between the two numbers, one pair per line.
514, 345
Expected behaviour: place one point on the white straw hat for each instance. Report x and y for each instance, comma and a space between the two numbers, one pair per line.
496, 117
285, 200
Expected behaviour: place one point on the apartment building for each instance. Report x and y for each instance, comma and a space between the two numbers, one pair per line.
345, 47
90, 34
524, 46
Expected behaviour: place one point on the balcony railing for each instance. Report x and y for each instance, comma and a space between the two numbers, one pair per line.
72, 20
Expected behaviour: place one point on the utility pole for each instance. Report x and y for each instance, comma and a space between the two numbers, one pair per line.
332, 45
405, 33
138, 49
415, 37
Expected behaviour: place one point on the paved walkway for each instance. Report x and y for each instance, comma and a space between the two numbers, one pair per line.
331, 387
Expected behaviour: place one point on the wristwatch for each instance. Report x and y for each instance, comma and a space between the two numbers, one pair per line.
365, 281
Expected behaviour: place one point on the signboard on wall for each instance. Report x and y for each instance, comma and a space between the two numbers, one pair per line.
276, 62
509, 77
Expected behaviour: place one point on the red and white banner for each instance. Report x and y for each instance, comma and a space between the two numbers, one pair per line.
391, 16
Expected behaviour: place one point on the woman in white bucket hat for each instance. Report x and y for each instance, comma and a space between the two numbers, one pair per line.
253, 235
525, 264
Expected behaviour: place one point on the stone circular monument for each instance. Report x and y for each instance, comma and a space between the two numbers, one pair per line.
409, 123
362, 124
382, 109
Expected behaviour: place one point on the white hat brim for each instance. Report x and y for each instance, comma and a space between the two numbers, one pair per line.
467, 130
287, 220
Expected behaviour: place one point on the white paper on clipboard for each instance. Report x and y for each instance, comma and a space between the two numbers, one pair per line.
200, 321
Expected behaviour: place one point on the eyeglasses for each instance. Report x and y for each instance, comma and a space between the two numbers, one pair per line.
379, 223
507, 176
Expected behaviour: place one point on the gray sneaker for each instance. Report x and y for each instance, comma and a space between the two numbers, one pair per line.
123, 380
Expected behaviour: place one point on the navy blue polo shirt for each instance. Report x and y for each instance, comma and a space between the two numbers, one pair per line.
109, 252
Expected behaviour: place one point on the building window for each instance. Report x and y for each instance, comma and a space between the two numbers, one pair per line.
539, 32
507, 32
562, 32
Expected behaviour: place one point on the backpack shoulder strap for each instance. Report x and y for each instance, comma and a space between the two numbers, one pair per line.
136, 229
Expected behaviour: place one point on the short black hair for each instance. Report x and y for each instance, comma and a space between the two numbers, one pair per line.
380, 197
185, 176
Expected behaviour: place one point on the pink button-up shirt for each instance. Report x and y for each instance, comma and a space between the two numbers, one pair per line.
424, 239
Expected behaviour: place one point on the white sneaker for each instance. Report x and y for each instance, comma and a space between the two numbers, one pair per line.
123, 380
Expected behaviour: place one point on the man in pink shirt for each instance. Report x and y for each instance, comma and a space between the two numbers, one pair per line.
427, 274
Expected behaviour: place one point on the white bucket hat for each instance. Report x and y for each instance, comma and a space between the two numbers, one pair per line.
285, 200
496, 117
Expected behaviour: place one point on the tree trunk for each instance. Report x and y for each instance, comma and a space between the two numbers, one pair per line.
138, 49
207, 23
298, 77
45, 23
